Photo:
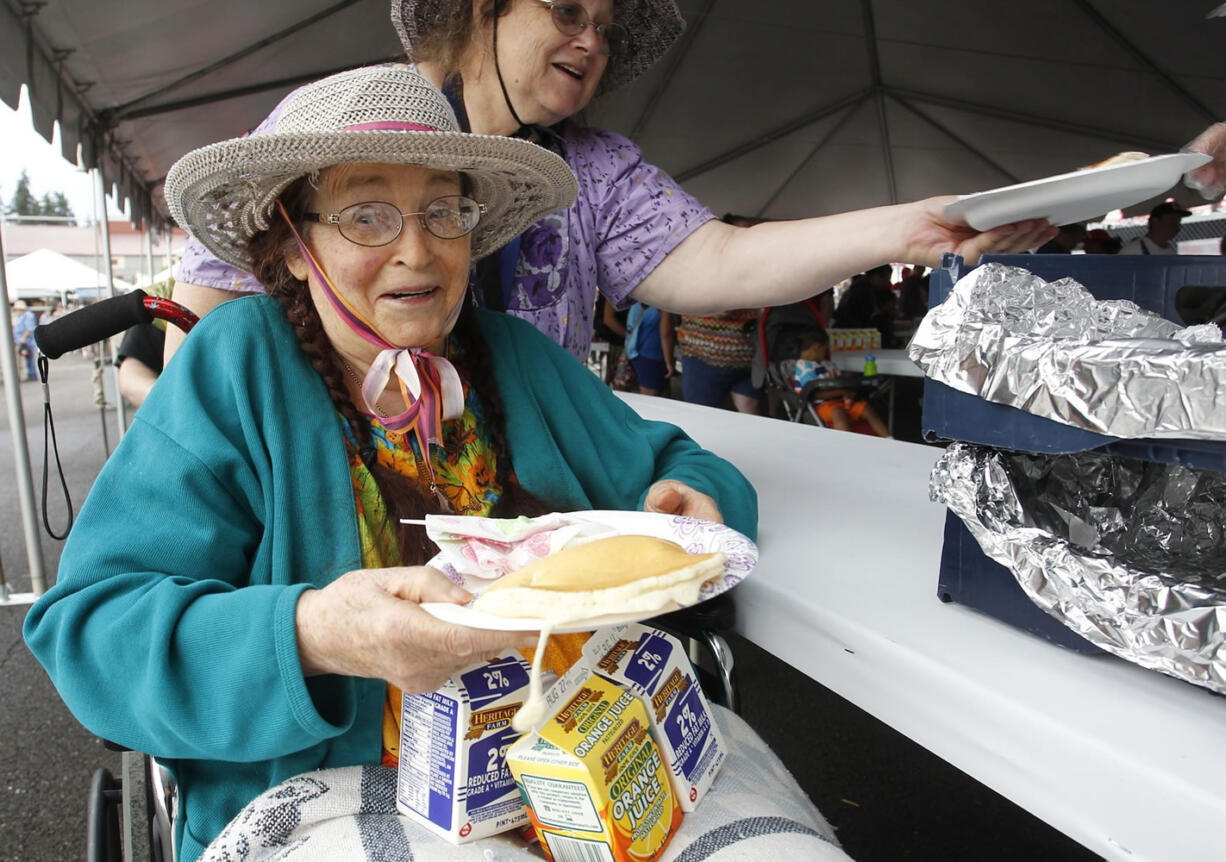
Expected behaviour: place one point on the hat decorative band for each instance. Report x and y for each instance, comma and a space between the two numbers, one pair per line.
389, 127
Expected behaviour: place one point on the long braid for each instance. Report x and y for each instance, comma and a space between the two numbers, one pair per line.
515, 499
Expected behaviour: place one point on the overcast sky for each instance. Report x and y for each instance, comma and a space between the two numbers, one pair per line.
23, 148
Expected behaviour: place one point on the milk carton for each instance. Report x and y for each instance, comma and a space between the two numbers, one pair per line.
593, 779
653, 665
453, 777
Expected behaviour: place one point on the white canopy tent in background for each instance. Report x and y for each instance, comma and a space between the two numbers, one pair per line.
47, 274
779, 109
158, 277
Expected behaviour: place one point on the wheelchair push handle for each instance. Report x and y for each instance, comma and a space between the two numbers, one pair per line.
101, 320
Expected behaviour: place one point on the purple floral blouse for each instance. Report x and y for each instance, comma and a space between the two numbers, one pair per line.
629, 214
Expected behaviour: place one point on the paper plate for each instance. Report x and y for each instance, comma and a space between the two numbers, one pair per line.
1074, 197
696, 536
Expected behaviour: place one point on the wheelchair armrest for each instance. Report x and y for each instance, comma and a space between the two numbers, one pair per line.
700, 625
716, 613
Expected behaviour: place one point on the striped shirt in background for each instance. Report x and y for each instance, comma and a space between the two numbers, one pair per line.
723, 341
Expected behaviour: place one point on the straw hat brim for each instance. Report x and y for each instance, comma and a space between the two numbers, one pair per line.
225, 193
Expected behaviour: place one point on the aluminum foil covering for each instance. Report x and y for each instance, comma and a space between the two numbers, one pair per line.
1130, 554
1053, 350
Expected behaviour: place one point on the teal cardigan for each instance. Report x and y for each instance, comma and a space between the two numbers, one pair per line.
170, 628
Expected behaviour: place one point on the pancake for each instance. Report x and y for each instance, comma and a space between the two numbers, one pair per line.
615, 575
1117, 159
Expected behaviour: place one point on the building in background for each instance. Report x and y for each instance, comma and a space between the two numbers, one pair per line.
129, 260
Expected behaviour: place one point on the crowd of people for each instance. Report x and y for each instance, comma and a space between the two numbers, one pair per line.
397, 274
721, 358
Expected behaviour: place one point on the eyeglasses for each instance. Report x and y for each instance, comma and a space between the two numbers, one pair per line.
376, 223
572, 19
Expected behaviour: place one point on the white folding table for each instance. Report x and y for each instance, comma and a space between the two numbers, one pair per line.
1127, 761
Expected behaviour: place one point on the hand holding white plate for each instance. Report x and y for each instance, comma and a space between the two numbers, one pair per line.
695, 536
1074, 197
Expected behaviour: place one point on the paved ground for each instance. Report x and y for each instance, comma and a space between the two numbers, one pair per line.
46, 759
889, 798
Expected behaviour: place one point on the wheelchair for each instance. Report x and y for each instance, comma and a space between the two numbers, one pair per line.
130, 816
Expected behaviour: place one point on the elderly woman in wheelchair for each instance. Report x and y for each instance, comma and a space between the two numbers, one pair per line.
240, 597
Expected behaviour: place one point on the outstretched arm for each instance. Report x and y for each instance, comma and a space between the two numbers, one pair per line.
719, 266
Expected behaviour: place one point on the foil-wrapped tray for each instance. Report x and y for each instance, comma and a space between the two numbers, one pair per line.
1130, 554
1053, 350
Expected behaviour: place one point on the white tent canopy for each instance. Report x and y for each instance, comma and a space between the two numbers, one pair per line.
782, 109
45, 274
166, 274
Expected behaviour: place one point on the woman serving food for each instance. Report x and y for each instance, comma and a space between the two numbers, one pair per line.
528, 68
239, 597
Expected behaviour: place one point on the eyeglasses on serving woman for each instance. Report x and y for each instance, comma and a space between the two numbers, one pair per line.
572, 19
376, 223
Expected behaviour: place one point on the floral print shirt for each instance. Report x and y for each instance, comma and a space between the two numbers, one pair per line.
464, 470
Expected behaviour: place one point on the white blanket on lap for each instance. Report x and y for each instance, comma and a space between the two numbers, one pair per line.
754, 811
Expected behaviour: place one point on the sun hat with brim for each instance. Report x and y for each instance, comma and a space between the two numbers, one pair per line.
653, 27
225, 193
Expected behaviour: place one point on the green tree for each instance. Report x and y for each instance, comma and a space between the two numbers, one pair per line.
61, 207
24, 203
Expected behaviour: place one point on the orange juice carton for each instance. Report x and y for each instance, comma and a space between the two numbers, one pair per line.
593, 779
453, 777
654, 666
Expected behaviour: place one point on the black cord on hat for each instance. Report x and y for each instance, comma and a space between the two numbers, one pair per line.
537, 134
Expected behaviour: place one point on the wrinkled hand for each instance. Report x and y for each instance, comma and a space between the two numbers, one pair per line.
367, 623
677, 498
1209, 179
927, 235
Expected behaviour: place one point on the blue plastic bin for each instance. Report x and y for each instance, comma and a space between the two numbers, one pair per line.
967, 575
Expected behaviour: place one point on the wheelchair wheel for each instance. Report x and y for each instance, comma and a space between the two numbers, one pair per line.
130, 817
105, 798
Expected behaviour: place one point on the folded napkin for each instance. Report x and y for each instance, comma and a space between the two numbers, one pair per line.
488, 548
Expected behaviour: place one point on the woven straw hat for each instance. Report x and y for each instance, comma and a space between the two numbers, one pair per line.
225, 193
653, 25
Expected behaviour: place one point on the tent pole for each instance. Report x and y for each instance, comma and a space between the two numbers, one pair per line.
21, 447
149, 250
120, 413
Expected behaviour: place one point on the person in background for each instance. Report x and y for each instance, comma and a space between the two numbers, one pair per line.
1210, 178
649, 351
913, 294
811, 374
717, 352
858, 303
885, 316
1098, 241
610, 327
1164, 222
139, 356
1064, 242
23, 339
526, 68
139, 360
